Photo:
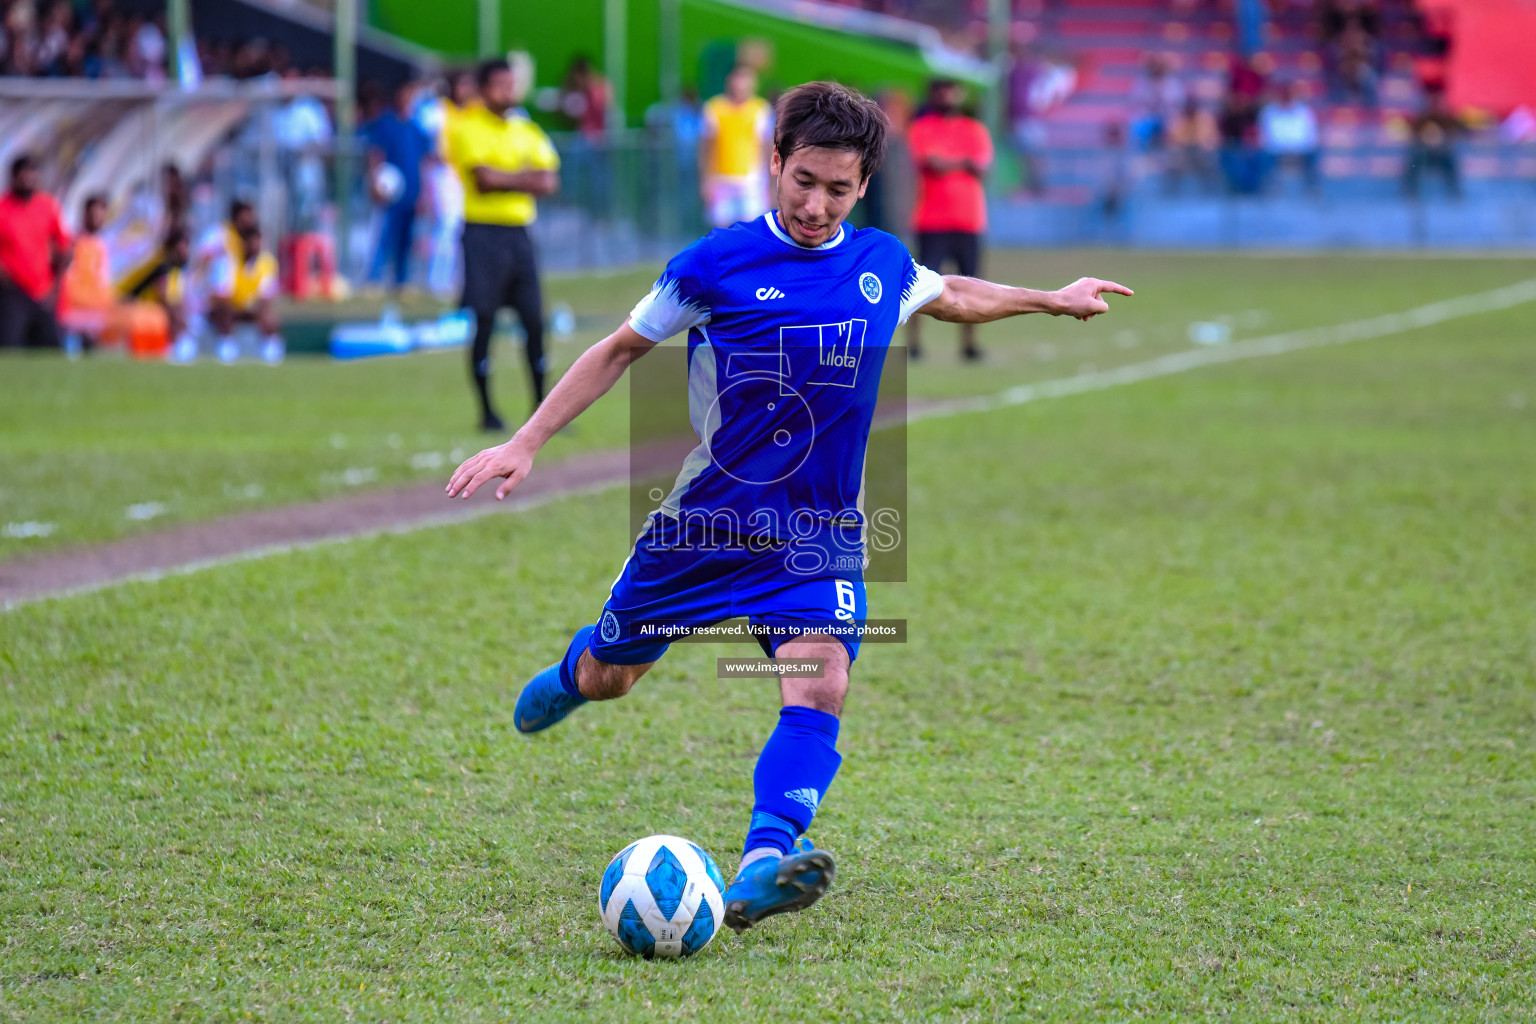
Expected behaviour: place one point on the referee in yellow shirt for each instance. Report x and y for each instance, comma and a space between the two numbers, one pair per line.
504, 161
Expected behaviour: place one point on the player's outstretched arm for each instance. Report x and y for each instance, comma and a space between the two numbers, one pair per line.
595, 371
969, 300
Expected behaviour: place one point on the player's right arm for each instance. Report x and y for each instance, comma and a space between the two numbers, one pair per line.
592, 375
679, 301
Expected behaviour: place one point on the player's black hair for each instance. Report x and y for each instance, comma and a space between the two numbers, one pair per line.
237, 207
174, 236
486, 70
95, 199
22, 163
835, 117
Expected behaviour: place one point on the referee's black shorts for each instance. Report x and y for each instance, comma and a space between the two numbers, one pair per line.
962, 247
500, 270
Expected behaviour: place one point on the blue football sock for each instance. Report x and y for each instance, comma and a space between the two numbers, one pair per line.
579, 643
793, 772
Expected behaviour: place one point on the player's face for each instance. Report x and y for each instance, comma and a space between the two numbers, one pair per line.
817, 189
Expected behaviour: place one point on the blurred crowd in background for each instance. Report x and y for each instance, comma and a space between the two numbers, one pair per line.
98, 40
57, 39
1079, 126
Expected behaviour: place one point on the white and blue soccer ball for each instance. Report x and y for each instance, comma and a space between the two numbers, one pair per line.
662, 897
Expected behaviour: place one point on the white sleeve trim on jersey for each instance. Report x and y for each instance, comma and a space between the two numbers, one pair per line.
925, 287
664, 312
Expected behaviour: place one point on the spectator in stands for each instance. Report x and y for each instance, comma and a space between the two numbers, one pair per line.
302, 130
1117, 174
1288, 134
585, 98
1338, 16
163, 281
1038, 88
1355, 62
87, 301
1241, 158
446, 193
52, 53
1193, 141
1433, 135
396, 140
173, 197
34, 250
18, 39
734, 151
677, 127
243, 289
147, 49
1157, 98
216, 243
1026, 130
951, 153
1245, 81
54, 39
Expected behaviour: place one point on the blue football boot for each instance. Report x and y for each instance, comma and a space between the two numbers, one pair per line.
544, 702
769, 886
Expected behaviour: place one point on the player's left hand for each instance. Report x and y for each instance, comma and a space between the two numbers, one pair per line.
511, 461
1081, 299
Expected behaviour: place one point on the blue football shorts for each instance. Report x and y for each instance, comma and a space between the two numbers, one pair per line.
674, 583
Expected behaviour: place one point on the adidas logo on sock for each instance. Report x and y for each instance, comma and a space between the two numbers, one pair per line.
808, 797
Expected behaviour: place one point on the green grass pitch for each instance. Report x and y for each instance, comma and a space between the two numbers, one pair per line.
1220, 702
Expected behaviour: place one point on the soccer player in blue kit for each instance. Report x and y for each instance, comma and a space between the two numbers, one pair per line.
789, 319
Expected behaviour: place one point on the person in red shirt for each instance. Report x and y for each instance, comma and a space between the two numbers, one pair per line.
34, 249
952, 152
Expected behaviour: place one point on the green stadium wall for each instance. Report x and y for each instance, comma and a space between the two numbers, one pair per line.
557, 31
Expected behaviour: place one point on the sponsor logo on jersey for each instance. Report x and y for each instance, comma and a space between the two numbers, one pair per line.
832, 350
764, 294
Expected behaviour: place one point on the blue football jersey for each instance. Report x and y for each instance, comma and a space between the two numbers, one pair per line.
786, 344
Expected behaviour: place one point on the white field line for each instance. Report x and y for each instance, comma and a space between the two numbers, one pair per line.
268, 550
1178, 362
1270, 345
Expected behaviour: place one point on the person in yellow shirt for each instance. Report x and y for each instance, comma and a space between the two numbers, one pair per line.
163, 281
733, 151
242, 290
505, 162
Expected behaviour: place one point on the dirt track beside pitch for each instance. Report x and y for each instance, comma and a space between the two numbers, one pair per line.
228, 538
